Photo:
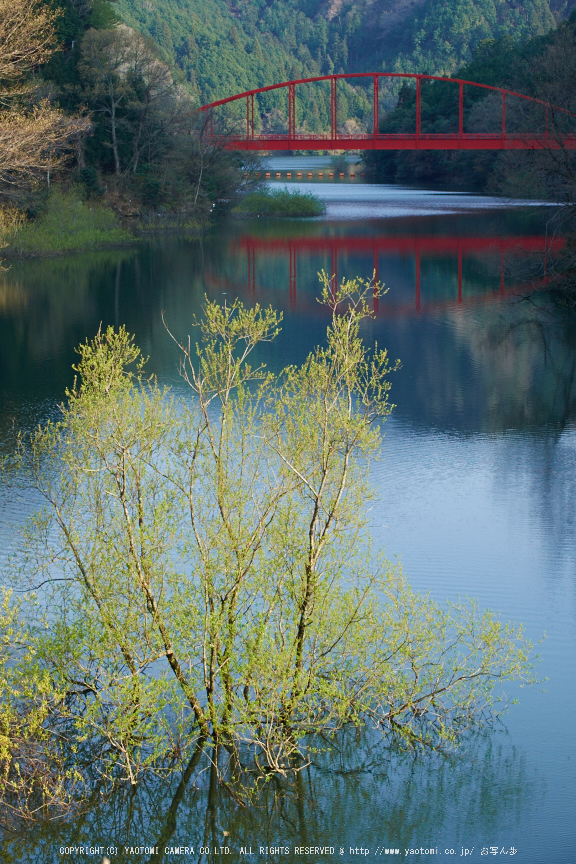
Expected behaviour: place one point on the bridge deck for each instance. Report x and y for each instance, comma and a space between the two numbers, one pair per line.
440, 141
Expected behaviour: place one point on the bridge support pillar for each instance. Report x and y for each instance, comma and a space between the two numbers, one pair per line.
291, 112
418, 106
376, 105
250, 117
333, 108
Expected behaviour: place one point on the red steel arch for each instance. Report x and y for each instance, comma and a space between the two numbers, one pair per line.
376, 140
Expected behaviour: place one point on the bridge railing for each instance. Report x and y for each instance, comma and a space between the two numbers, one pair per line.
290, 139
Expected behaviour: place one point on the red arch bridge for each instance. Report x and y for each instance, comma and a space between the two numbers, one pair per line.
544, 136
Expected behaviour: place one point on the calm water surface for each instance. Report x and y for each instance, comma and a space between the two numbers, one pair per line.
475, 496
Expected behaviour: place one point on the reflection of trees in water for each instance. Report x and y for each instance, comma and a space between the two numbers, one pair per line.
355, 793
526, 357
46, 308
502, 366
66, 300
14, 298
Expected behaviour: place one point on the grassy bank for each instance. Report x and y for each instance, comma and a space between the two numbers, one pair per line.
280, 202
65, 224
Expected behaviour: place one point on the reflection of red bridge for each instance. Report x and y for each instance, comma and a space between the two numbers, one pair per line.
429, 245
544, 135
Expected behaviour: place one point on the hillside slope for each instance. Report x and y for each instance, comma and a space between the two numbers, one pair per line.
226, 46
542, 67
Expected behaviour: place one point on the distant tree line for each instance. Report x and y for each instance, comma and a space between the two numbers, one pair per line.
543, 68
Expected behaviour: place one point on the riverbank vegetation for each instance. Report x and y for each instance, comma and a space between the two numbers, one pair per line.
280, 202
88, 106
65, 223
206, 579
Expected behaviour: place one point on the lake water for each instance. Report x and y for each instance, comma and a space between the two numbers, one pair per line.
476, 497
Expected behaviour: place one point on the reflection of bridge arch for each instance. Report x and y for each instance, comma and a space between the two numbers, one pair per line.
429, 245
376, 140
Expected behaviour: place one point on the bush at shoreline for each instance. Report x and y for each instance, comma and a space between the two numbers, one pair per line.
66, 224
281, 202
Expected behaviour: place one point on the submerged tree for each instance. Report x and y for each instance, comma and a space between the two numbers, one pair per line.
206, 569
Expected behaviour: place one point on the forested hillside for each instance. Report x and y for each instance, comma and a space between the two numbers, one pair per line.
543, 67
226, 46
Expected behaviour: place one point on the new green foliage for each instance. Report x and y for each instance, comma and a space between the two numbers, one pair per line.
33, 770
206, 567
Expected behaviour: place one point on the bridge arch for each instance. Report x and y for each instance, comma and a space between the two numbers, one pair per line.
376, 140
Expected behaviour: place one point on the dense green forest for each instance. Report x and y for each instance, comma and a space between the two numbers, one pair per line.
542, 67
222, 47
226, 47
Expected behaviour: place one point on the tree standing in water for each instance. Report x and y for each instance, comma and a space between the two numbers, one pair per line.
206, 568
